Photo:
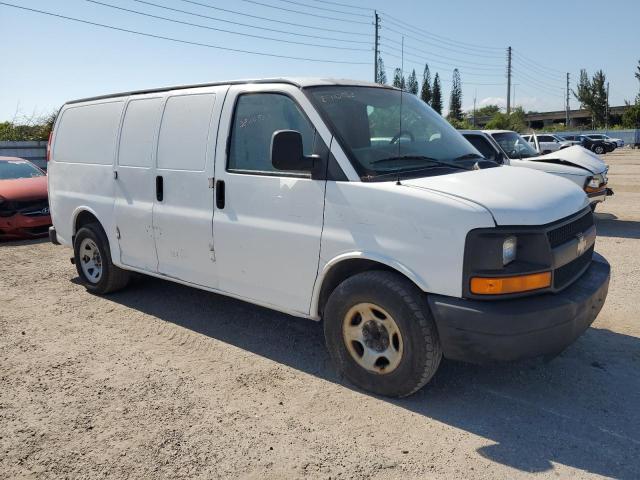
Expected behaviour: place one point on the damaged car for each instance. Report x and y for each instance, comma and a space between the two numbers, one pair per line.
24, 206
575, 163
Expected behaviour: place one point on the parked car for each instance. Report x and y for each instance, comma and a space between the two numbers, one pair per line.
547, 143
24, 207
618, 142
272, 191
577, 164
597, 146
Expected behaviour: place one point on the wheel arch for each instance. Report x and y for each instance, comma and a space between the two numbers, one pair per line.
346, 265
83, 216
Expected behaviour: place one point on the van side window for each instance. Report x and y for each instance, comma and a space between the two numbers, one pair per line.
138, 132
182, 144
257, 116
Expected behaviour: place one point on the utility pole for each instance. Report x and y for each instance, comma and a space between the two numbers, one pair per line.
376, 41
508, 80
606, 112
474, 107
566, 106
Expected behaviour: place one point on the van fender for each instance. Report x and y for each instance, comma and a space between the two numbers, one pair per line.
374, 257
113, 242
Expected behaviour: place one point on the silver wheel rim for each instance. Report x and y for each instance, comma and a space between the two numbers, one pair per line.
90, 260
372, 338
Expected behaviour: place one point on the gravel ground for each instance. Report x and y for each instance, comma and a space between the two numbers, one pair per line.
164, 381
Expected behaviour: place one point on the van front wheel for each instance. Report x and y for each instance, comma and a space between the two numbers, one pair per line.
381, 335
93, 261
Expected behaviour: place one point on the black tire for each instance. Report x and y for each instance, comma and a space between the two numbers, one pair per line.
112, 277
407, 305
599, 149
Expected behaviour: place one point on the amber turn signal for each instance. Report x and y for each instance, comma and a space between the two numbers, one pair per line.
502, 285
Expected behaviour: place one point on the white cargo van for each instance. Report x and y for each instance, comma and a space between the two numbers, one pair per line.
340, 201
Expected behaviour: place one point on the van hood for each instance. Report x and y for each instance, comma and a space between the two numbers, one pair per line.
513, 196
577, 156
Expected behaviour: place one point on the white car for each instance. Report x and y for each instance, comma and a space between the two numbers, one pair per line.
272, 191
618, 142
581, 166
546, 143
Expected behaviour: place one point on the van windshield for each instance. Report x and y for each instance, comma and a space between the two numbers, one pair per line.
381, 143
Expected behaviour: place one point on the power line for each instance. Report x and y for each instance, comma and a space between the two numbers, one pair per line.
539, 65
300, 12
478, 66
425, 52
327, 2
222, 30
286, 32
294, 24
325, 9
536, 70
422, 62
539, 82
177, 40
444, 47
420, 31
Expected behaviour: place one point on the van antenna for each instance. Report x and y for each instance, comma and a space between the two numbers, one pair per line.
401, 93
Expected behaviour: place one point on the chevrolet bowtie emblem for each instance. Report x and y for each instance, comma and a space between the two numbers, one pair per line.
582, 243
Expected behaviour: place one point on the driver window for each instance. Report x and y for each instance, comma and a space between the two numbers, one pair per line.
257, 116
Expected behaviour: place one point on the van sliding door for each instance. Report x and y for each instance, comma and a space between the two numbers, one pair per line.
183, 210
135, 191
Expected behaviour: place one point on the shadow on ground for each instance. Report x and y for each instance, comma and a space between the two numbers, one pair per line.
27, 241
580, 410
609, 225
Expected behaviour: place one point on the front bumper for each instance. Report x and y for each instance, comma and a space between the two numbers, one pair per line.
485, 331
24, 226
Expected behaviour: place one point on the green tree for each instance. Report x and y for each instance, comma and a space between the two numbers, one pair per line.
631, 117
27, 129
592, 95
455, 102
426, 93
398, 79
412, 83
487, 111
381, 75
514, 121
637, 75
436, 101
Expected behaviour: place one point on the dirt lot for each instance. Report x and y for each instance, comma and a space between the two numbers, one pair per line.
163, 381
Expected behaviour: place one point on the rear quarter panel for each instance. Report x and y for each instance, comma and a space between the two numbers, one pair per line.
81, 167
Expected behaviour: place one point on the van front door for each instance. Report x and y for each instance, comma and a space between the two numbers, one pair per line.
183, 211
135, 192
268, 223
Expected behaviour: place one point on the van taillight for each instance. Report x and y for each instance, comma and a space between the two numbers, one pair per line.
49, 146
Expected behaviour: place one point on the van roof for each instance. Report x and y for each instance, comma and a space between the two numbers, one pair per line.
300, 82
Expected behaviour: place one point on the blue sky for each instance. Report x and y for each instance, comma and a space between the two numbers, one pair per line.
48, 60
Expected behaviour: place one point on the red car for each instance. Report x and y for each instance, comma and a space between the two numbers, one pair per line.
24, 205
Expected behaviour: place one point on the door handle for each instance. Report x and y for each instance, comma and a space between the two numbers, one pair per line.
159, 188
220, 194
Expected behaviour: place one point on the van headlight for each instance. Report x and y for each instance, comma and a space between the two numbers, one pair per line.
595, 182
509, 247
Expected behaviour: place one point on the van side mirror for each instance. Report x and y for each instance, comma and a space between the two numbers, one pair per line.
499, 158
287, 152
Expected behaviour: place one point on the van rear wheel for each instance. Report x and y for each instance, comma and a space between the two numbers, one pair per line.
381, 335
92, 257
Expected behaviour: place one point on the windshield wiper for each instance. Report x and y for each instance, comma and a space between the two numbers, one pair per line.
435, 161
469, 156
